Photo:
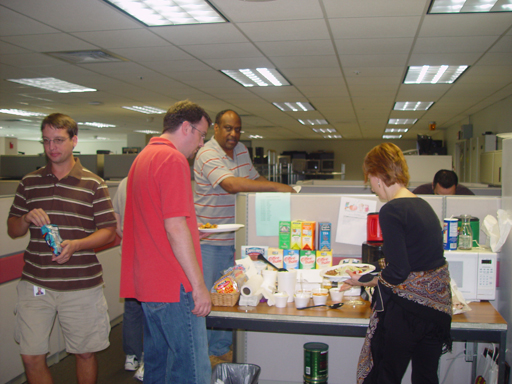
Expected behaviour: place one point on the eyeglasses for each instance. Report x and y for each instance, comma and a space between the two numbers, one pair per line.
56, 141
228, 129
203, 135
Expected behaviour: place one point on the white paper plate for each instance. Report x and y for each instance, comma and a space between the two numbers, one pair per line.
344, 276
222, 228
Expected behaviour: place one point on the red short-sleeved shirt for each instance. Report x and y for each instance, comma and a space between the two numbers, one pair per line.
159, 188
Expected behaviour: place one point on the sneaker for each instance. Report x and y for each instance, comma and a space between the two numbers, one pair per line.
139, 375
131, 363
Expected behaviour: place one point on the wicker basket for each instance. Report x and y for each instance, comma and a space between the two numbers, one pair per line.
224, 299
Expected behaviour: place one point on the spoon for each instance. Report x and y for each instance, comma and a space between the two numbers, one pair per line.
332, 306
262, 258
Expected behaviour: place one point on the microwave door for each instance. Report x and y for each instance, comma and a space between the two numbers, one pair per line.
463, 270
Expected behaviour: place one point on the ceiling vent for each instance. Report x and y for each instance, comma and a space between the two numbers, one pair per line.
87, 57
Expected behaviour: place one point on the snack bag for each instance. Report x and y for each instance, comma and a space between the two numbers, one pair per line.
52, 237
231, 281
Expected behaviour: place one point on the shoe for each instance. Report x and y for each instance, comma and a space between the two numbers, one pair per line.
227, 357
139, 375
131, 363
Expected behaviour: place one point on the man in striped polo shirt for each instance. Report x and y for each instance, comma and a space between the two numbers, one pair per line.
68, 285
223, 168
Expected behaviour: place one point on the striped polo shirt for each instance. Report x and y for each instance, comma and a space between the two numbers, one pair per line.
78, 204
213, 204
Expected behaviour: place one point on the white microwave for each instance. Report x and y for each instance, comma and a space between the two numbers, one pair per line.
475, 273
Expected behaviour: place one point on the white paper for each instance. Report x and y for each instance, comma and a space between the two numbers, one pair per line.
352, 220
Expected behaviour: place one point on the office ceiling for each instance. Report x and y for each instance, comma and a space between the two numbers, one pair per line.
348, 58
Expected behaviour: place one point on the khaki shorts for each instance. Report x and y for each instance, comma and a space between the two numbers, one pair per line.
82, 316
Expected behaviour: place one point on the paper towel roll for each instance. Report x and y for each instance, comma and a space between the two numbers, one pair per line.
286, 283
252, 285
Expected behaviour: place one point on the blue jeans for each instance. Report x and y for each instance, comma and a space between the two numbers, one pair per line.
133, 328
175, 343
216, 259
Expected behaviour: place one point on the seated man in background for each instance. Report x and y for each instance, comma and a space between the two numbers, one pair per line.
445, 182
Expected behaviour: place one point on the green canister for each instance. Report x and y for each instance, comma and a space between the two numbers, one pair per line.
315, 363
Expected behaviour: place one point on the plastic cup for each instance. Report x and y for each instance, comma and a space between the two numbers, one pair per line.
320, 296
302, 299
336, 295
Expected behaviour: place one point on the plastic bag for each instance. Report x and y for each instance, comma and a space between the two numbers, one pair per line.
497, 230
487, 368
233, 373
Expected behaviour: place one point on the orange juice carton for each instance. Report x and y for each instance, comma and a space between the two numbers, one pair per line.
252, 251
323, 259
291, 258
324, 237
285, 234
296, 235
307, 259
275, 256
308, 235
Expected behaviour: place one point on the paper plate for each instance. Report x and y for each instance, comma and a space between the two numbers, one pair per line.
341, 269
222, 228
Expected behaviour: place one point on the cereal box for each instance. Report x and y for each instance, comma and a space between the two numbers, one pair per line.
308, 235
307, 259
284, 234
323, 259
324, 237
291, 258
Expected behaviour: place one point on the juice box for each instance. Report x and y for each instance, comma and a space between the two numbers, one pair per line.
323, 259
324, 237
307, 259
308, 235
284, 234
296, 235
275, 256
291, 258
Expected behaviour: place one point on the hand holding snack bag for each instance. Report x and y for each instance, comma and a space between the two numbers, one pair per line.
52, 237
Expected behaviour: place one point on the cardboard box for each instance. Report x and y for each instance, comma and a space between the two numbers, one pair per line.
324, 237
275, 256
307, 259
323, 259
296, 235
291, 258
252, 252
308, 235
285, 234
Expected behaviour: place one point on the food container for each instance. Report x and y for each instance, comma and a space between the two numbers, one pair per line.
281, 299
320, 296
302, 299
336, 295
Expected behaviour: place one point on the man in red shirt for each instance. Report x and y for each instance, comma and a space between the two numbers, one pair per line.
161, 265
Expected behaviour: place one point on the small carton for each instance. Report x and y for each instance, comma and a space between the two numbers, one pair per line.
252, 251
308, 235
307, 259
323, 259
291, 258
284, 234
324, 237
275, 256
296, 235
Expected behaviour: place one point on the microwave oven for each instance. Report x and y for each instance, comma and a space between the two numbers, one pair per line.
475, 273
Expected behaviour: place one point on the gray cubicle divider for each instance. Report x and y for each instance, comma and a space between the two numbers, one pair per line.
314, 207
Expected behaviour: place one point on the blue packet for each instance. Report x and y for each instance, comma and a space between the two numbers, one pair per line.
52, 237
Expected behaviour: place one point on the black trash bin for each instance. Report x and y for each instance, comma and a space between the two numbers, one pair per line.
234, 373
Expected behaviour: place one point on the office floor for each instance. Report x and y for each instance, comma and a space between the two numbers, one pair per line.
110, 364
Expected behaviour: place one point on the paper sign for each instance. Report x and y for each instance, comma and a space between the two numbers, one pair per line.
271, 207
352, 220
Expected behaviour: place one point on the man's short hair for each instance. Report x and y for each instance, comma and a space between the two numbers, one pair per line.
61, 121
222, 113
183, 111
445, 178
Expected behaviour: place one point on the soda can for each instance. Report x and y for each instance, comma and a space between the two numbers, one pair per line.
450, 234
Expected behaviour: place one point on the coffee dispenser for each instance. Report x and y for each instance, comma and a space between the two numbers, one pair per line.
372, 248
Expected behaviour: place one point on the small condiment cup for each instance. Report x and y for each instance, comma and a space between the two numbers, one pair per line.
320, 296
336, 295
281, 299
302, 299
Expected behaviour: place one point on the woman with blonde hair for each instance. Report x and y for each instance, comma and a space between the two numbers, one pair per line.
411, 313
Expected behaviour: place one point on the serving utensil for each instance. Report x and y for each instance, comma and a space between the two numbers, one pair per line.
262, 258
332, 306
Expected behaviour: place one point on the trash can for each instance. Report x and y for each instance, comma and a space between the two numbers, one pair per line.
234, 373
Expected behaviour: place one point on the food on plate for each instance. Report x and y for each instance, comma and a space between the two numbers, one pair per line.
345, 268
208, 226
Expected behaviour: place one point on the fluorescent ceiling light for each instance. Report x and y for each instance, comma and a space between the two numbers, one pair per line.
391, 130
470, 6
412, 105
154, 13
19, 112
145, 109
439, 74
147, 132
294, 106
332, 136
97, 125
391, 136
53, 84
101, 138
402, 121
313, 122
255, 137
86, 57
261, 77
324, 130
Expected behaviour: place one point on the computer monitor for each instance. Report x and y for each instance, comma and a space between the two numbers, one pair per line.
313, 165
327, 165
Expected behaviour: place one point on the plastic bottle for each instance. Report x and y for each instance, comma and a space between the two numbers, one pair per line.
465, 233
